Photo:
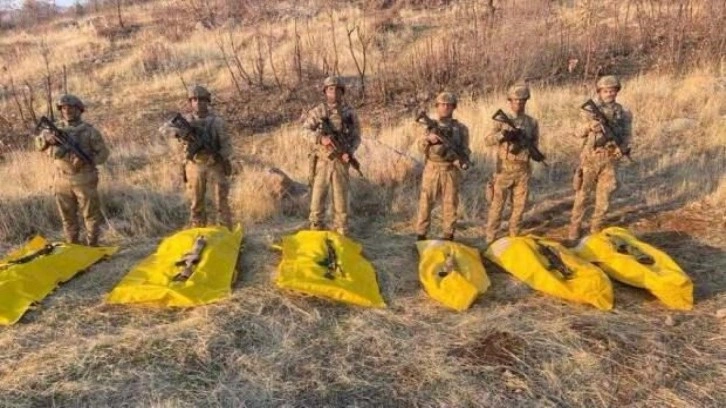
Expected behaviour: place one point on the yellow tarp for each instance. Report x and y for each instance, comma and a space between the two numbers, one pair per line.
25, 283
526, 259
151, 281
451, 273
328, 265
625, 258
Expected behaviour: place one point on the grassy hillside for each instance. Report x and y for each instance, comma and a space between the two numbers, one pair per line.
263, 347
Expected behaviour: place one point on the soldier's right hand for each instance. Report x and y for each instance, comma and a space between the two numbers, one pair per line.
432, 138
325, 141
595, 126
49, 137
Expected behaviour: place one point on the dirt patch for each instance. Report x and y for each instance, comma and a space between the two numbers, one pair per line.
493, 349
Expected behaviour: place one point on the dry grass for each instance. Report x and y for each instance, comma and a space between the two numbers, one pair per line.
266, 348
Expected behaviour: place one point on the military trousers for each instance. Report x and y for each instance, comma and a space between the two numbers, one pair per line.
513, 184
439, 179
199, 176
330, 176
78, 193
598, 176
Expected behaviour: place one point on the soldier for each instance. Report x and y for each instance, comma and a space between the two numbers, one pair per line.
75, 182
442, 174
597, 164
330, 171
206, 166
513, 162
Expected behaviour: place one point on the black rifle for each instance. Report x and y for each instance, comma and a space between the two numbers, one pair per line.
63, 139
449, 265
623, 247
554, 260
518, 139
190, 260
46, 250
609, 135
446, 138
339, 144
197, 141
331, 261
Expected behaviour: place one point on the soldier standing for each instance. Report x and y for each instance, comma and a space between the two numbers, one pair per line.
597, 163
75, 182
513, 162
205, 166
442, 173
329, 171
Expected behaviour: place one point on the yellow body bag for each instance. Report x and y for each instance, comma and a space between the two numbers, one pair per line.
30, 273
451, 273
152, 281
551, 268
328, 265
625, 258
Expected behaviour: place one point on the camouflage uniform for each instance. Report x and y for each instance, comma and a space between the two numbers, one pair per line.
330, 173
204, 168
75, 183
512, 173
597, 165
441, 175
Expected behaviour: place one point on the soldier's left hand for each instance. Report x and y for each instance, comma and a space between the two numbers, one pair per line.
345, 157
325, 141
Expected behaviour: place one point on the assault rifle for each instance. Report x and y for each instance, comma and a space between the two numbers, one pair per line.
63, 139
554, 260
446, 139
623, 247
197, 141
331, 261
190, 260
518, 139
339, 145
46, 250
608, 133
449, 265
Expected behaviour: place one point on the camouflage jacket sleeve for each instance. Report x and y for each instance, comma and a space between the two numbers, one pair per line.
535, 133
225, 143
627, 127
494, 134
354, 131
585, 126
311, 124
99, 151
421, 141
465, 138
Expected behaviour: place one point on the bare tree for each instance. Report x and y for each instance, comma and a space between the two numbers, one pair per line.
361, 62
118, 14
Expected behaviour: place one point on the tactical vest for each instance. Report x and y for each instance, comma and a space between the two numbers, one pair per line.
438, 152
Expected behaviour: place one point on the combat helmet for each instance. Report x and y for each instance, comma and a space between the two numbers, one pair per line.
199, 92
608, 81
518, 91
446, 97
333, 81
70, 100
